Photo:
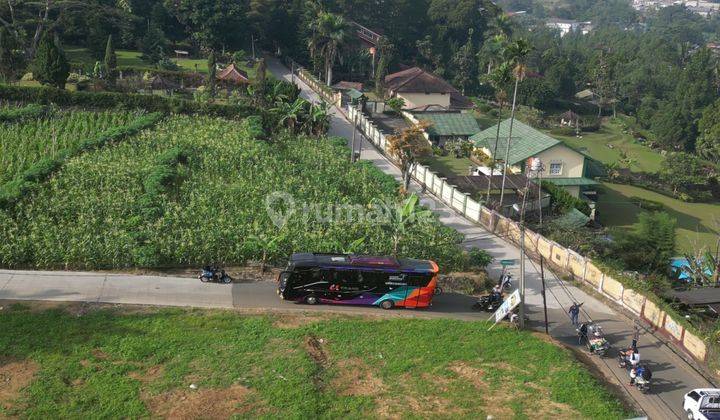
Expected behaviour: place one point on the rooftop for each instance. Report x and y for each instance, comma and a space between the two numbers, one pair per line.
417, 80
450, 124
233, 74
525, 143
572, 182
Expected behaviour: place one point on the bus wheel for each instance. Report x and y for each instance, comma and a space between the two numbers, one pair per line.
387, 304
311, 300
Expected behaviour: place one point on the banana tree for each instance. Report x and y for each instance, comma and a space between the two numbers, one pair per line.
400, 217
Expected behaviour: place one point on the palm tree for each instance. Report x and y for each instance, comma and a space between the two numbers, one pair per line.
516, 55
329, 32
500, 78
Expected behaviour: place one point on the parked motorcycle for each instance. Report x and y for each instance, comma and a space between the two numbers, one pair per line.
487, 303
641, 377
506, 281
214, 274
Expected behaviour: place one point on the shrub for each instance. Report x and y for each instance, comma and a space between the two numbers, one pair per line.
27, 112
562, 201
478, 259
649, 205
563, 131
104, 100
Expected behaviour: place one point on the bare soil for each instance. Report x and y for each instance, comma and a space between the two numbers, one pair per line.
15, 375
202, 403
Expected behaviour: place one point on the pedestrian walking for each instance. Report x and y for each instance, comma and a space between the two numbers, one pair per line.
575, 313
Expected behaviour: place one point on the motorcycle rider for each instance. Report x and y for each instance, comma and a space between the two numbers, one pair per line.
496, 294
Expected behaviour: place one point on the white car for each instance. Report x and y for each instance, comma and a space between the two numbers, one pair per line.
702, 404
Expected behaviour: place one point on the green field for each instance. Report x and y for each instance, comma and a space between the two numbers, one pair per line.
133, 58
596, 145
23, 144
141, 363
697, 222
448, 165
131, 204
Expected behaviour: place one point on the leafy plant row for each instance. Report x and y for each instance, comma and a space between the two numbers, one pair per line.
93, 214
23, 144
150, 103
30, 179
23, 113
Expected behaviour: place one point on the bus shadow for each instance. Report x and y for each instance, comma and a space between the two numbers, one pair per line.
452, 302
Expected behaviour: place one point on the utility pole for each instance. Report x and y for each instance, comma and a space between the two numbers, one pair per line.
542, 278
538, 167
292, 71
354, 128
252, 40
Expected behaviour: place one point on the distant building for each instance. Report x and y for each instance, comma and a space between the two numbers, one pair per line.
565, 26
233, 75
419, 88
447, 126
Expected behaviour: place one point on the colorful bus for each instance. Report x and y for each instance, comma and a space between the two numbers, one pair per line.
358, 280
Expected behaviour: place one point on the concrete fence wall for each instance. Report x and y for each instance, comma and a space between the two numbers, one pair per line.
565, 260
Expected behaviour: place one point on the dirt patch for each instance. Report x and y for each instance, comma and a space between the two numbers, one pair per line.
203, 403
469, 373
288, 321
355, 378
150, 375
99, 354
14, 377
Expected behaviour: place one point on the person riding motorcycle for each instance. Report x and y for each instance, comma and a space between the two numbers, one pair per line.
496, 295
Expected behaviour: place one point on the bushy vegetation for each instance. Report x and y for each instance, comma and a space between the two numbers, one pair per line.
17, 114
138, 365
105, 100
193, 191
22, 145
562, 201
29, 180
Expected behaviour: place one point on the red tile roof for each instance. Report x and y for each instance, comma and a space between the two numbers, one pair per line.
233, 74
417, 80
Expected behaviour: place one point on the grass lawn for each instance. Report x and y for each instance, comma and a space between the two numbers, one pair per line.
105, 363
695, 220
595, 144
448, 165
133, 58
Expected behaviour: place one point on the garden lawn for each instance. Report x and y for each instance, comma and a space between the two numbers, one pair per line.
595, 145
448, 165
697, 222
135, 204
134, 59
110, 364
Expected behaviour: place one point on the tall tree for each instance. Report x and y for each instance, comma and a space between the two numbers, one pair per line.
212, 73
50, 66
500, 78
386, 51
516, 54
328, 33
407, 147
465, 64
708, 143
10, 61
110, 63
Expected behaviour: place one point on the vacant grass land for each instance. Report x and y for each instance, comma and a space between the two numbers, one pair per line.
596, 145
134, 59
697, 222
448, 165
109, 364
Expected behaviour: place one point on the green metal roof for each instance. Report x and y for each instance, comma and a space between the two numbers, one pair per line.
572, 219
571, 182
450, 124
525, 143
354, 94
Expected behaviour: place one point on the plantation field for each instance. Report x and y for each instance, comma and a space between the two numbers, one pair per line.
193, 191
23, 143
140, 363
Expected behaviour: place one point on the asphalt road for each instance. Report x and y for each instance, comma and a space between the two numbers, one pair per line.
672, 376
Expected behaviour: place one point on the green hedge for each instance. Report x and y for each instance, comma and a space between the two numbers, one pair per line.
563, 201
30, 179
27, 112
151, 103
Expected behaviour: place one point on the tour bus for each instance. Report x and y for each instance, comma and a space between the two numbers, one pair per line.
358, 280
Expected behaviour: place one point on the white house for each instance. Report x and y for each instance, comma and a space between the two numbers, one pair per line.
565, 26
420, 89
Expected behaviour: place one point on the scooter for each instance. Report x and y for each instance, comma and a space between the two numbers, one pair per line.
487, 303
506, 281
214, 274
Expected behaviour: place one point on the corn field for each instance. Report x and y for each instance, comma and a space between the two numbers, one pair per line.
22, 144
95, 212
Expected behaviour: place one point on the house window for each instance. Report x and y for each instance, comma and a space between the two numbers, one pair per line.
556, 168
